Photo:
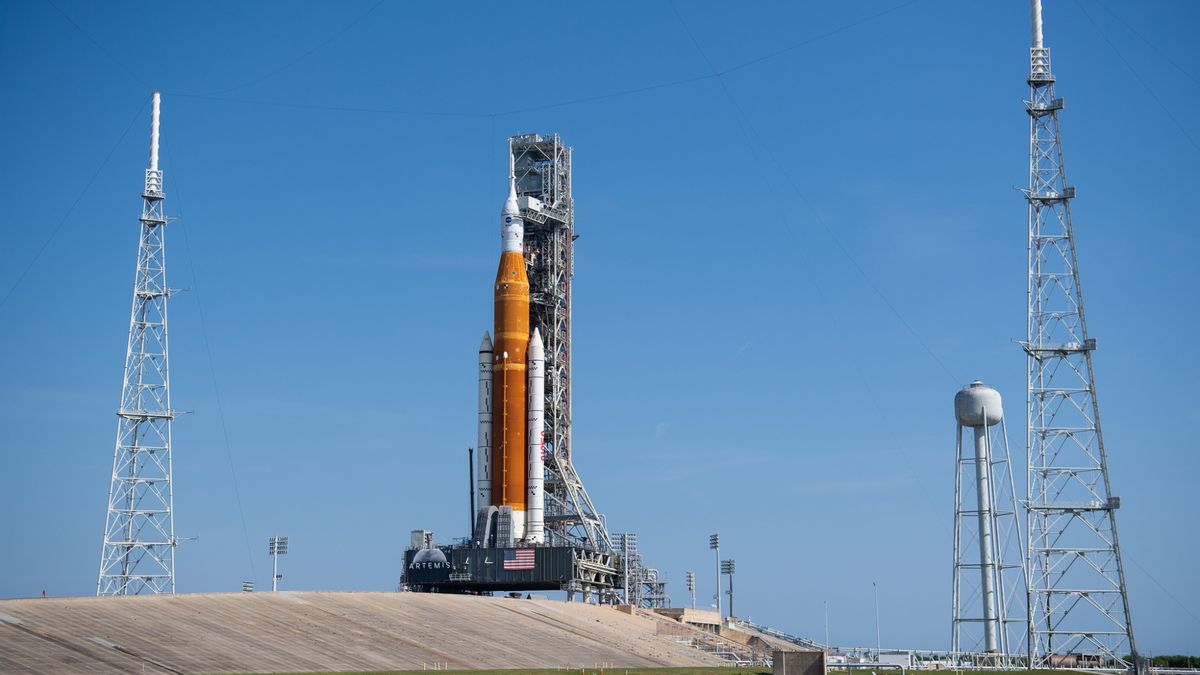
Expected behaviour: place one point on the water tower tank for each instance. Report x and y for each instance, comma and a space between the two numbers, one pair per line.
977, 405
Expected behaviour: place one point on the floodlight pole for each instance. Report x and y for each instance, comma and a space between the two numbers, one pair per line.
714, 543
625, 564
729, 567
691, 586
826, 603
878, 651
731, 595
277, 546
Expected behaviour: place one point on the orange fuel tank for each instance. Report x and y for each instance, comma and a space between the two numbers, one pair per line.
508, 385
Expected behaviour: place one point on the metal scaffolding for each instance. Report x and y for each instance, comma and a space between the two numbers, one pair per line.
654, 589
542, 166
138, 553
1078, 604
644, 586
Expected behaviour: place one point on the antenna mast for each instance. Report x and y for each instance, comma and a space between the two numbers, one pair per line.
138, 555
1078, 605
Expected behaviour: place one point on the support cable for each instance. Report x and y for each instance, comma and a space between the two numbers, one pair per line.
1164, 589
269, 74
815, 38
1139, 77
212, 370
1149, 44
128, 71
272, 73
337, 108
37, 256
605, 96
809, 205
753, 139
214, 96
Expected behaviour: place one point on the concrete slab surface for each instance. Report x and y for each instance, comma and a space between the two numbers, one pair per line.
313, 632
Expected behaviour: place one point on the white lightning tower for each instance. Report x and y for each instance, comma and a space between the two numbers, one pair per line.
1078, 603
138, 554
988, 588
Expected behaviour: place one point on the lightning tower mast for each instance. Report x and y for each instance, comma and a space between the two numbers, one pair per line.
542, 168
138, 554
1078, 602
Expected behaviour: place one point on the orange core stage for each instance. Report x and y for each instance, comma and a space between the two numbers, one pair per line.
509, 381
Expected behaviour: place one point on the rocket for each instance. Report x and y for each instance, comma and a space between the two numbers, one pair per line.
508, 365
511, 409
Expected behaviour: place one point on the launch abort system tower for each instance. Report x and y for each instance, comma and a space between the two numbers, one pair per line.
1077, 596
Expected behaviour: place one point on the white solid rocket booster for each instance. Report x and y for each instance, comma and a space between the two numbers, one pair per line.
483, 442
536, 438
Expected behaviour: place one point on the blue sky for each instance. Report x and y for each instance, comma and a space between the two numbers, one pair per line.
736, 369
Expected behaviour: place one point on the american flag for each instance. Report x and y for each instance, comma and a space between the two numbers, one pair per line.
520, 559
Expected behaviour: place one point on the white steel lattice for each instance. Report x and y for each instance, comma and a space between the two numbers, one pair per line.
1078, 605
138, 553
644, 586
542, 167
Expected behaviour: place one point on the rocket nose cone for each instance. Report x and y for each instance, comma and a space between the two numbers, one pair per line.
485, 345
511, 208
536, 348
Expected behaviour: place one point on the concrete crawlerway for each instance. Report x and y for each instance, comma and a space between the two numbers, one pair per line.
297, 632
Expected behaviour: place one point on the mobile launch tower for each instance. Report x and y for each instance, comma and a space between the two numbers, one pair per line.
1078, 602
535, 527
542, 171
138, 554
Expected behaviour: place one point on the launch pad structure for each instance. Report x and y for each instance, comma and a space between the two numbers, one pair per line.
572, 549
542, 171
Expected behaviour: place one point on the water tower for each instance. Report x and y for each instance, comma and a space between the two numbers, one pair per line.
989, 580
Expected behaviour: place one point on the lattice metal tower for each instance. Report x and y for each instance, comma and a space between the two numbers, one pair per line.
138, 555
542, 166
1077, 596
654, 589
644, 586
988, 587
631, 567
